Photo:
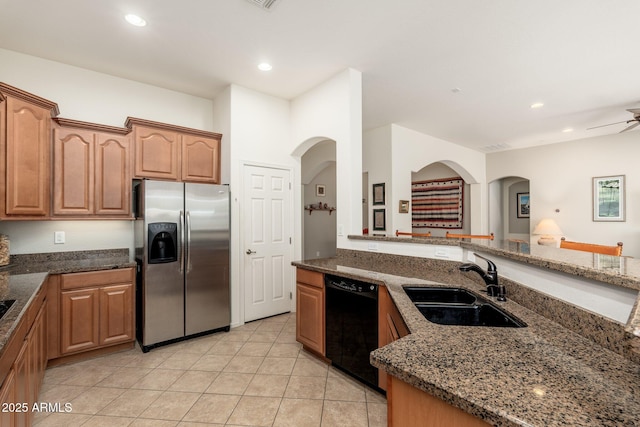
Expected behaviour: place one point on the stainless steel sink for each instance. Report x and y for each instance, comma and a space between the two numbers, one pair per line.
457, 306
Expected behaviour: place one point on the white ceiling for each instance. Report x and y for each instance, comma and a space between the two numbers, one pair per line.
579, 57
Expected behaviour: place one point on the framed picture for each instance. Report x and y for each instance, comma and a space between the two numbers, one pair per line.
608, 198
378, 194
523, 205
320, 190
379, 220
404, 206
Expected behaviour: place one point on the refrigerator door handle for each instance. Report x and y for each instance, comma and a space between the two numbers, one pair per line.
188, 223
181, 241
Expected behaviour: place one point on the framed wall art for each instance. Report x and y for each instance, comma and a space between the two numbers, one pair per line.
378, 194
437, 203
522, 205
321, 190
608, 198
379, 219
404, 206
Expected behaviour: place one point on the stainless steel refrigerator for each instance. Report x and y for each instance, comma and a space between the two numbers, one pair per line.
182, 251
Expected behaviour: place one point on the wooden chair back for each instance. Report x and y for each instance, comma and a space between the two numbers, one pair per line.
404, 233
591, 247
469, 236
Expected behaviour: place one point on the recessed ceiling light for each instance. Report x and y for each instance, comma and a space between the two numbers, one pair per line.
135, 20
567, 130
264, 66
537, 105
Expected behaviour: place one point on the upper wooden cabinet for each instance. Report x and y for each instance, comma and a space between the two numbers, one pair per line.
25, 150
200, 159
92, 170
175, 153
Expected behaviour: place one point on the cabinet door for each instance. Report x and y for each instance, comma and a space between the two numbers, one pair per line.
113, 175
28, 133
79, 320
8, 395
36, 345
116, 314
200, 159
156, 153
73, 178
23, 375
310, 317
390, 327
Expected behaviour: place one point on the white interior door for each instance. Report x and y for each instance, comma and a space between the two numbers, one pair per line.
267, 228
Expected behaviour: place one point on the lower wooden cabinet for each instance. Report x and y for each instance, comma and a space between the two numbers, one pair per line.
21, 386
8, 397
90, 311
310, 310
408, 406
391, 327
116, 314
79, 322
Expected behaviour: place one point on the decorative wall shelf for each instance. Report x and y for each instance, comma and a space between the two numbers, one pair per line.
311, 209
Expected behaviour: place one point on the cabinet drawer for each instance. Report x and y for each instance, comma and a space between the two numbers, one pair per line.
312, 278
35, 305
96, 278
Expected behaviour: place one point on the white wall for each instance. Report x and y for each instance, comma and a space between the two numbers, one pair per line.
222, 124
560, 177
439, 171
376, 161
259, 134
333, 110
99, 98
410, 152
27, 237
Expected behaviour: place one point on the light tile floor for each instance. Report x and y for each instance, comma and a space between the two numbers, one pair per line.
254, 375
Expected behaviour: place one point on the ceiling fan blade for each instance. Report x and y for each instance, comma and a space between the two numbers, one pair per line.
610, 124
630, 127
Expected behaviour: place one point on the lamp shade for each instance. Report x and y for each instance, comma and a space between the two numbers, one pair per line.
547, 227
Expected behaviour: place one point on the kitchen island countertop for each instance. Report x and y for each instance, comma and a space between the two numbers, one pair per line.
541, 375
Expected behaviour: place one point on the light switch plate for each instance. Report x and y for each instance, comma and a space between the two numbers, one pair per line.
58, 237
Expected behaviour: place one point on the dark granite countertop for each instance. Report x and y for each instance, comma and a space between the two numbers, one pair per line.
541, 375
25, 275
619, 271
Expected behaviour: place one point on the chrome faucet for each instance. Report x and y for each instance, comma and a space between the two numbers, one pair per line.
490, 277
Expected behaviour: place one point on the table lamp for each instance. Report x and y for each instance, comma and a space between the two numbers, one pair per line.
546, 229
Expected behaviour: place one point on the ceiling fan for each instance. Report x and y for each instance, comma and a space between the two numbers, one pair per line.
634, 122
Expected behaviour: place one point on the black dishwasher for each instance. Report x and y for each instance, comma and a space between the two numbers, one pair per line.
351, 326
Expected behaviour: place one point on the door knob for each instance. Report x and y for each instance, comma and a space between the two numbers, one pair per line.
249, 252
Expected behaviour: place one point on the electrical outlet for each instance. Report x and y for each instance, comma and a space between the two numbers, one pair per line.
340, 230
58, 237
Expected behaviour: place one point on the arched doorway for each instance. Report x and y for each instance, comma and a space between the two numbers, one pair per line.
319, 197
508, 215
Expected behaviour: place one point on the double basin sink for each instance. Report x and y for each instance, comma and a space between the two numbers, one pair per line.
457, 306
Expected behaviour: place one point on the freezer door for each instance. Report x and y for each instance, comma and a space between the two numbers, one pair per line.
163, 283
207, 293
